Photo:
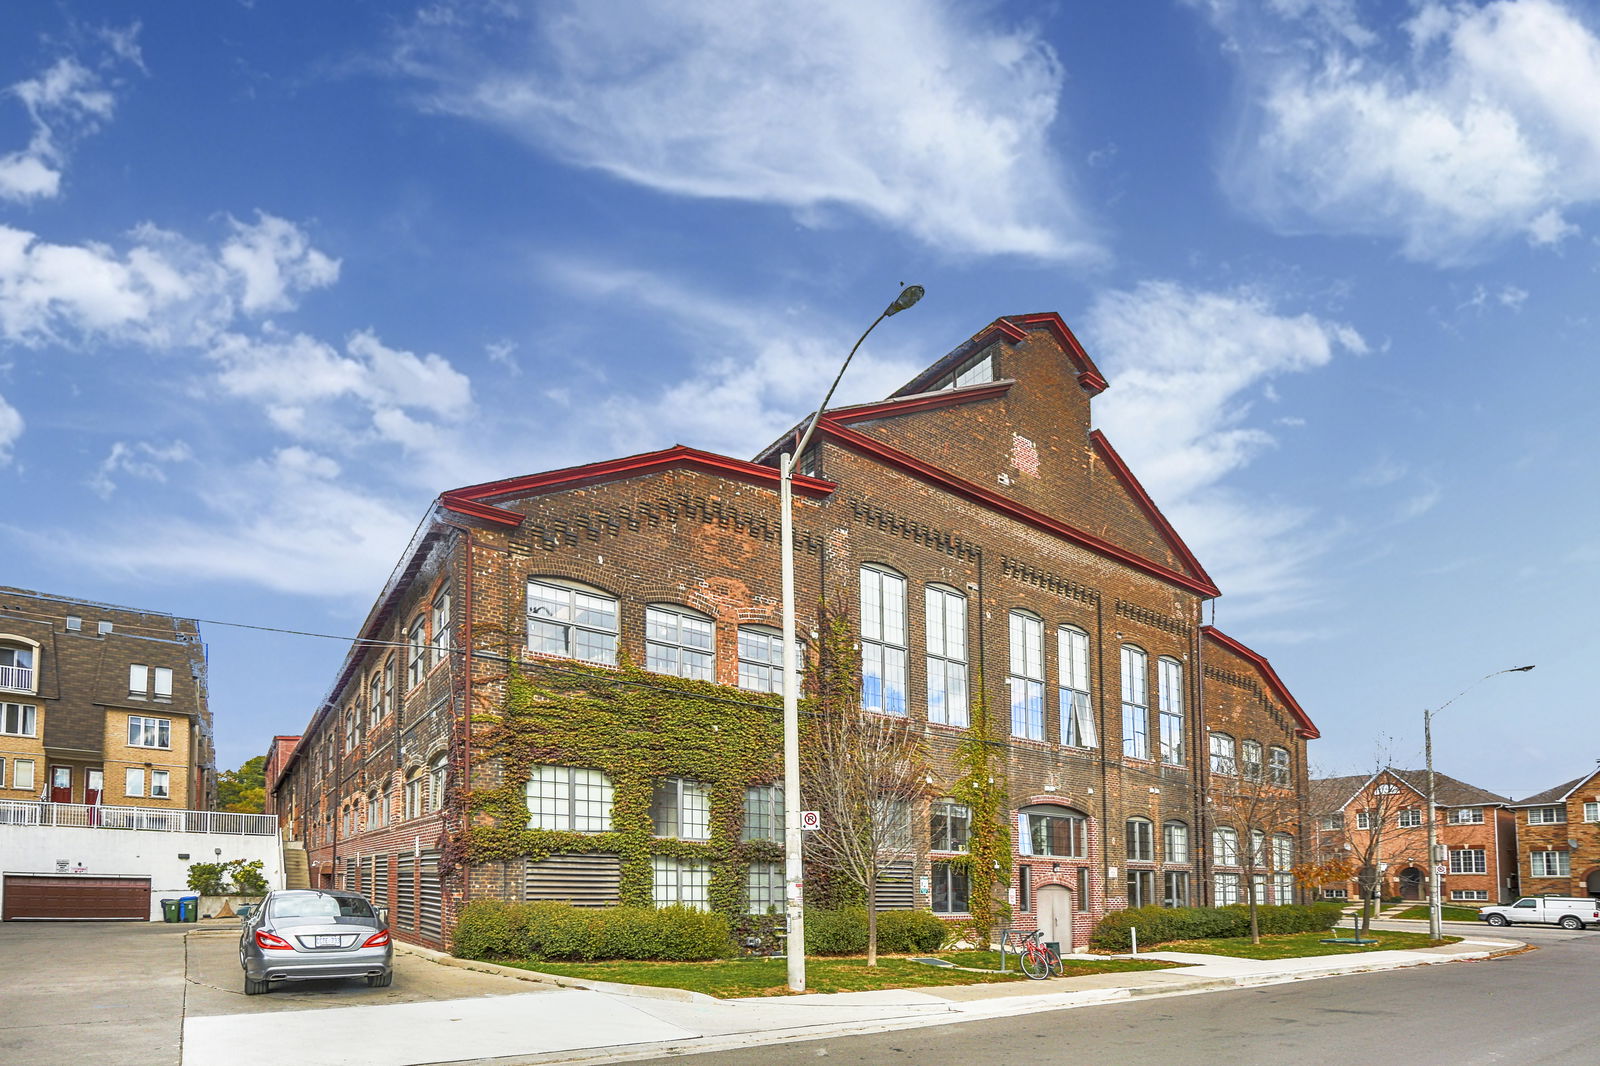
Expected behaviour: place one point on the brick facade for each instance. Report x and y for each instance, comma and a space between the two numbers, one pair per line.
996, 495
1572, 842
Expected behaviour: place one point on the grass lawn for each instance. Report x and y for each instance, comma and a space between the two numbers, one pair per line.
1449, 914
1071, 965
731, 978
1302, 945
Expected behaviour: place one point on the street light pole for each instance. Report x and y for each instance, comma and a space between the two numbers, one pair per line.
793, 866
1435, 919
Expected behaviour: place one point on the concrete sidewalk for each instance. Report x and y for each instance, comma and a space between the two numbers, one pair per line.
590, 1022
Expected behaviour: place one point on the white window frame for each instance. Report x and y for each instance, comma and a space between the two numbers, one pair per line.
883, 640
1250, 760
1282, 851
1175, 842
569, 798
161, 691
1076, 831
1282, 888
764, 888
1544, 861
133, 782
415, 793
1026, 678
1169, 704
1175, 888
1225, 890
577, 621
1223, 752
1139, 837
375, 698
1279, 767
1591, 811
760, 650
949, 827
160, 784
945, 612
416, 652
1135, 702
138, 681
1366, 819
680, 882
161, 728
680, 642
680, 809
1547, 815
1072, 679
438, 774
1409, 818
763, 813
21, 674
1469, 895
19, 719
1469, 861
439, 623
1224, 846
1464, 816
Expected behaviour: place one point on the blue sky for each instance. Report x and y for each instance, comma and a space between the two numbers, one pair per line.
274, 275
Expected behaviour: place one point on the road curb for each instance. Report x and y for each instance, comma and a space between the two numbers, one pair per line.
673, 995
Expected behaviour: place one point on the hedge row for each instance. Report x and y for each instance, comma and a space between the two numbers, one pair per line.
1159, 925
495, 929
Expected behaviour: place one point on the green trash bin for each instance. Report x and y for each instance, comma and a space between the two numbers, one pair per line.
188, 908
169, 910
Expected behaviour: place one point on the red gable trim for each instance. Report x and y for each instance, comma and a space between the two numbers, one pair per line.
962, 487
1089, 375
1146, 504
473, 499
1308, 728
926, 401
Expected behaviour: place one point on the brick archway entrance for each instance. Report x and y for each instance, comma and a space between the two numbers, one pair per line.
1411, 883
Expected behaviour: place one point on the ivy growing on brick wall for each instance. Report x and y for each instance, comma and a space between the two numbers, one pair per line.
982, 787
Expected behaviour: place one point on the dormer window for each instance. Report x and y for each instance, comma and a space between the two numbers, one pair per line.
16, 668
975, 371
146, 682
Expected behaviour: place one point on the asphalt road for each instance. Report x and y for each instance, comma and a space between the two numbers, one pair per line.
1531, 1009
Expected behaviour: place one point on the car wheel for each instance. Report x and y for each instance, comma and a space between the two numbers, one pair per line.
383, 980
1497, 919
252, 987
1571, 922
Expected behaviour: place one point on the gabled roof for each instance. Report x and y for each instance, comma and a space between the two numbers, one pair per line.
476, 500
1120, 471
1013, 328
1558, 794
1447, 791
1308, 728
893, 407
1335, 793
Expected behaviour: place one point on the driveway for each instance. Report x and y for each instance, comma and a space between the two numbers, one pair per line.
92, 992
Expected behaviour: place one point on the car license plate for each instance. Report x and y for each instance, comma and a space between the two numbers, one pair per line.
328, 941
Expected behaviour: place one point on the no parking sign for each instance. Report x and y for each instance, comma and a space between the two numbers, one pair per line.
810, 821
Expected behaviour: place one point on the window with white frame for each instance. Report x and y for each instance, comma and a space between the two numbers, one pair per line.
375, 811
19, 719
883, 641
1258, 848
681, 882
1225, 889
947, 655
569, 798
949, 826
440, 627
1222, 751
1026, 679
389, 673
160, 784
1278, 772
1072, 675
1169, 705
1258, 886
1546, 815
16, 668
1175, 888
416, 793
1225, 846
352, 727
680, 642
1141, 888
1135, 703
374, 698
763, 813
1410, 818
1331, 822
1335, 893
764, 888
681, 809
1250, 758
1464, 816
977, 372
572, 621
1469, 895
133, 782
1548, 864
950, 888
1140, 842
1282, 888
438, 769
1282, 851
761, 658
1057, 832
1175, 842
1591, 811
1468, 861
1366, 819
149, 732
416, 652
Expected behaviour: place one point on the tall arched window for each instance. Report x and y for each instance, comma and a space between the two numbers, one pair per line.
1225, 846
438, 768
1250, 752
1222, 754
1175, 842
571, 620
947, 655
1027, 675
1072, 673
1135, 703
1141, 842
679, 641
883, 640
1278, 767
1049, 830
1169, 696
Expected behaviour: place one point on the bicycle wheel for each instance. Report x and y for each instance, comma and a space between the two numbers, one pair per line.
1054, 961
1034, 964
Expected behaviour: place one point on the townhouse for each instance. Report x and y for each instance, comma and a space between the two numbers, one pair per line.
1558, 835
567, 688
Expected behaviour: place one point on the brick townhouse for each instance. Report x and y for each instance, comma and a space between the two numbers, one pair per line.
1476, 828
102, 705
1558, 839
566, 688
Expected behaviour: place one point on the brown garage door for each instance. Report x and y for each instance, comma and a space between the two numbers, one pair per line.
76, 896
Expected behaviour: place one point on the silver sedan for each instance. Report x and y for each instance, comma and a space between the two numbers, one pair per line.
311, 935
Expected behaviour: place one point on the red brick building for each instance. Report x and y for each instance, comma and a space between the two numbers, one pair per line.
1011, 590
1558, 839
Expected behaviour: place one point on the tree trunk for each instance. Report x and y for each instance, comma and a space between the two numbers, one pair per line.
1255, 921
872, 919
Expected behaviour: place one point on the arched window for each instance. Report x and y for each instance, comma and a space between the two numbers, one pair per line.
19, 659
374, 698
883, 640
1251, 752
1141, 843
1135, 703
1175, 842
1225, 846
1026, 679
680, 642
947, 655
569, 798
1278, 767
1222, 754
1169, 696
416, 652
1049, 830
1072, 675
439, 627
571, 620
416, 792
438, 768
375, 812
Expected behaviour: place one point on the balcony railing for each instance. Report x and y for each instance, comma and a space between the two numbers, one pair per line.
18, 678
83, 816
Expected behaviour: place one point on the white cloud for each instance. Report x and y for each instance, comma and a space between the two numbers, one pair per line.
928, 118
141, 460
11, 426
1184, 366
1475, 126
274, 260
504, 352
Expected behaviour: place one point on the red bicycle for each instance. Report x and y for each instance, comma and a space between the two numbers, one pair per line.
1038, 960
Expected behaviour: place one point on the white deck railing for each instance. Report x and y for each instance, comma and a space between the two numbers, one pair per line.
16, 678
83, 816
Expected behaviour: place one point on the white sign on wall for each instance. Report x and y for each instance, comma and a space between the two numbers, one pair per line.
810, 821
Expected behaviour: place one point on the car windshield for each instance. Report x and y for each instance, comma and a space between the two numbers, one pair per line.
317, 906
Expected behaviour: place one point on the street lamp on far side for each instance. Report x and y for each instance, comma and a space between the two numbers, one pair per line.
1435, 918
793, 866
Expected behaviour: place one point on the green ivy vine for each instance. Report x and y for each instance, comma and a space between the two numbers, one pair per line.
981, 786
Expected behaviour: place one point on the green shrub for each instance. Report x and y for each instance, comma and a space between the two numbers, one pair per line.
494, 929
489, 929
1160, 925
836, 932
222, 878
248, 879
904, 932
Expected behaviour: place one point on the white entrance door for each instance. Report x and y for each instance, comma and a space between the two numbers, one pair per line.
1055, 915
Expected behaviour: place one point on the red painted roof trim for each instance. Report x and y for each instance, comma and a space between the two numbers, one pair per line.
474, 500
1120, 470
925, 401
1308, 728
962, 487
1089, 376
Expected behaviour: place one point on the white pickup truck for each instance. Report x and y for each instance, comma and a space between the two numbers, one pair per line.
1569, 912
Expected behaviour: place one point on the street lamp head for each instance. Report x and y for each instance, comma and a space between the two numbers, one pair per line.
1520, 669
908, 296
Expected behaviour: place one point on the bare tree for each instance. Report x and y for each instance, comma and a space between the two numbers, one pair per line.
1261, 809
1377, 833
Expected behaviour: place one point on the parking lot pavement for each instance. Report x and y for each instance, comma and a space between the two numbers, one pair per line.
216, 983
